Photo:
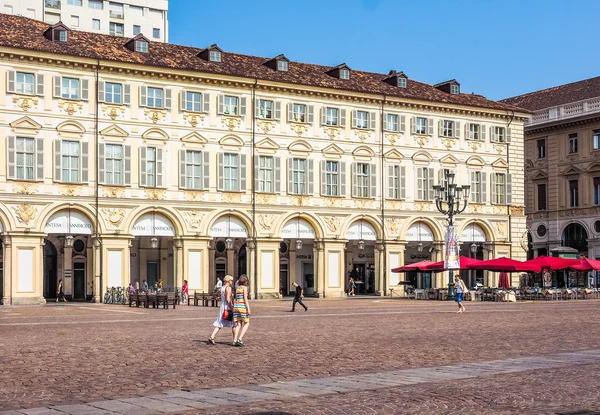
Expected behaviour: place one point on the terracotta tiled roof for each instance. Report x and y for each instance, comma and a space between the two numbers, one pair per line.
24, 33
558, 95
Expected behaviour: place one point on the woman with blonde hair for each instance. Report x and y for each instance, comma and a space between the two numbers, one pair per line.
241, 311
225, 319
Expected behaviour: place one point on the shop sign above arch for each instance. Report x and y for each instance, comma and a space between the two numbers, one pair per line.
472, 233
298, 229
419, 232
361, 230
153, 224
228, 226
60, 221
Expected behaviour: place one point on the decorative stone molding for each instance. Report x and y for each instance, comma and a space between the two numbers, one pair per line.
194, 196
266, 199
25, 102
518, 210
299, 200
423, 206
500, 228
363, 203
421, 140
573, 156
231, 122
155, 194
155, 115
596, 153
193, 118
332, 222
299, 129
363, 135
266, 126
70, 190
70, 107
266, 222
332, 202
231, 197
502, 210
25, 213
113, 111
393, 138
474, 207
449, 142
393, 226
538, 215
332, 132
194, 218
524, 241
112, 192
114, 216
25, 188
394, 205
540, 163
500, 148
474, 144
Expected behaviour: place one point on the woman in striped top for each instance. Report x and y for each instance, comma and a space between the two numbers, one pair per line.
241, 311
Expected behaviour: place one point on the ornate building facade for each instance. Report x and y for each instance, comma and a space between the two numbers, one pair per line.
125, 160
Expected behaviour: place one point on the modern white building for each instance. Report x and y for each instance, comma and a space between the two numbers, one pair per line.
125, 18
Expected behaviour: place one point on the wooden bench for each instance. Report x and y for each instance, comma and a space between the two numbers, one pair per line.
198, 297
142, 299
162, 298
134, 299
172, 298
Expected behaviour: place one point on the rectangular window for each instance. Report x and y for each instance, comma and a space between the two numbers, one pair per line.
25, 156
391, 122
475, 132
498, 134
136, 10
95, 24
96, 4
573, 193
74, 2
282, 66
74, 21
137, 29
115, 29
25, 83
155, 97
362, 119
332, 179
572, 143
447, 128
344, 74
500, 189
332, 116
362, 180
151, 166
476, 187
141, 46
596, 190
541, 196
230, 172
421, 125
193, 101
70, 161
51, 18
265, 109
116, 10
299, 176
70, 88
424, 183
401, 82
113, 93
596, 140
299, 113
541, 149
454, 89
395, 182
8, 9
266, 176
156, 33
230, 105
214, 56
193, 169
113, 160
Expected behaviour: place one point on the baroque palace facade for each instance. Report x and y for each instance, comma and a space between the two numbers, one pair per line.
124, 160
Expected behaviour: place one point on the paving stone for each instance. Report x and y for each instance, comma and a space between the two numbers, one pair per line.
80, 409
154, 404
115, 406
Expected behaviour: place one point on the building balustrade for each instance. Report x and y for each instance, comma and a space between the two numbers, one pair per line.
570, 110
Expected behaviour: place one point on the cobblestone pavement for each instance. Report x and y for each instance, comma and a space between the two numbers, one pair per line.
74, 354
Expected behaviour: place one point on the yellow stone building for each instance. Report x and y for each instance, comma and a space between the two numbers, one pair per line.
126, 160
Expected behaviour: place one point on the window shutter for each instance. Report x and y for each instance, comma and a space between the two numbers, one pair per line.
413, 125
101, 85
483, 132
221, 99
85, 164
483, 187
441, 128
290, 175
311, 114
221, 171
290, 107
206, 102
456, 129
402, 182
354, 122
277, 110
392, 182
242, 172
168, 98
430, 126
182, 169
430, 192
277, 173
11, 173
206, 170
127, 165
57, 85
441, 176
126, 94
159, 167
373, 121
373, 179
39, 146
183, 100
493, 180
342, 170
310, 177
323, 115
509, 189
143, 175
101, 163
57, 160
39, 84
243, 106
85, 88
420, 183
256, 107
143, 96
402, 123
473, 177
10, 81
256, 172
508, 134
386, 124
342, 118
354, 180
468, 134
493, 135
323, 177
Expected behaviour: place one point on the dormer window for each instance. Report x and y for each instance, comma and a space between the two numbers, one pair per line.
397, 79
138, 44
342, 71
401, 82
215, 56
450, 87
141, 46
213, 53
454, 89
278, 63
344, 74
60, 35
282, 65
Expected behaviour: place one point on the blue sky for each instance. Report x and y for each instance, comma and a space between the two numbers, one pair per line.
492, 47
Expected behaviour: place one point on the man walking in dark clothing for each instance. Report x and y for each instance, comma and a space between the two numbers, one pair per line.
298, 297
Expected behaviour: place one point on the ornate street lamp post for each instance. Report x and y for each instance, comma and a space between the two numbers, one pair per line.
451, 201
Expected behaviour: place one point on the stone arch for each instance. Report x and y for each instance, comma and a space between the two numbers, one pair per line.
155, 134
584, 228
231, 141
370, 219
173, 217
70, 128
422, 156
314, 221
5, 220
484, 225
238, 214
475, 161
87, 211
438, 233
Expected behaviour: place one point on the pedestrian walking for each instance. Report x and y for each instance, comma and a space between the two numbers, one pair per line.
241, 311
218, 285
184, 292
461, 289
351, 286
60, 292
298, 297
226, 305
145, 286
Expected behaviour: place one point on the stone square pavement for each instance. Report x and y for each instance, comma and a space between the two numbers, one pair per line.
349, 356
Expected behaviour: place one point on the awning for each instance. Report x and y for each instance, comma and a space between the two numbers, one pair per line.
65, 222
361, 230
228, 227
419, 232
153, 224
298, 229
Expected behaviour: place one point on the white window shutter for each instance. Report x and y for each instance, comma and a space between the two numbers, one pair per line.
508, 134
372, 121
256, 173
243, 106
206, 170
429, 126
386, 124
39, 84
456, 129
441, 176
354, 180
220, 169
392, 182
420, 183
126, 94
168, 98
159, 167
474, 195
57, 86
323, 115
143, 175
101, 86
39, 156
57, 160
143, 96
482, 132
493, 135
483, 187
413, 125
373, 179
430, 192
101, 163
310, 176
206, 102
402, 182
354, 121
277, 110
221, 104
85, 88
290, 108
10, 81
290, 175
402, 123
12, 168
127, 165
342, 120
324, 177
493, 181
441, 128
182, 169
311, 114
243, 173
85, 161
257, 108
183, 100
277, 174
509, 189
468, 134
342, 173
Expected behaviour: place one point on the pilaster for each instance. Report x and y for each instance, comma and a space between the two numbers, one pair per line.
268, 268
333, 277
26, 257
394, 258
115, 261
195, 254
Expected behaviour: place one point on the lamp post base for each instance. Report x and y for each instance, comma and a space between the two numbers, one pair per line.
451, 294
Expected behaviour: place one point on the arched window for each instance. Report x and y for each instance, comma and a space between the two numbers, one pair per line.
575, 236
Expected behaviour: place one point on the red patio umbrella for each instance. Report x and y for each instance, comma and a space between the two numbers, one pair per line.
586, 264
554, 263
506, 265
417, 266
503, 281
464, 261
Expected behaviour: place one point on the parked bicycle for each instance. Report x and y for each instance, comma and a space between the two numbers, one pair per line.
116, 295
